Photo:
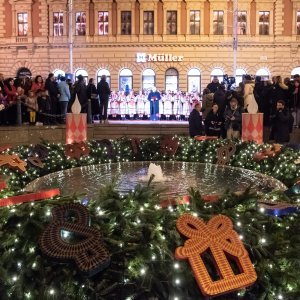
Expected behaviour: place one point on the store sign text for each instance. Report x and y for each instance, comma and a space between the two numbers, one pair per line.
144, 57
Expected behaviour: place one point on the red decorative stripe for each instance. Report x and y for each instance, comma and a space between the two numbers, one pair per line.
2, 185
13, 200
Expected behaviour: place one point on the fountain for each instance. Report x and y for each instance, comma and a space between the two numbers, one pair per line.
174, 177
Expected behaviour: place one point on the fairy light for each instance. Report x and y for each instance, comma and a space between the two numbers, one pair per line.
14, 278
176, 266
177, 281
51, 292
143, 271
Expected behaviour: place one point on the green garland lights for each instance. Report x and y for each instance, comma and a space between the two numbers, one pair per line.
141, 236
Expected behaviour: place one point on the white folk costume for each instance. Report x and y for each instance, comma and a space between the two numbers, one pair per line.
114, 105
168, 105
131, 105
185, 100
147, 106
123, 105
140, 104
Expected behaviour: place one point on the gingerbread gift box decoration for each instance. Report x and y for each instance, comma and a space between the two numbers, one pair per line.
219, 237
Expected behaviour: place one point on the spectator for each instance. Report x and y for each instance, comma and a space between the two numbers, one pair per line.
64, 98
31, 107
53, 92
80, 91
280, 130
104, 93
213, 122
44, 105
11, 92
250, 104
195, 121
233, 119
213, 86
220, 98
93, 96
207, 102
38, 84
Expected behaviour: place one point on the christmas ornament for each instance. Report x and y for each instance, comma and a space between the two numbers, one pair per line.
169, 145
87, 251
13, 162
225, 152
36, 161
219, 237
41, 151
277, 209
76, 150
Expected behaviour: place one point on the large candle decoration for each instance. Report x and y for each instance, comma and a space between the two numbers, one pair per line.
76, 124
252, 127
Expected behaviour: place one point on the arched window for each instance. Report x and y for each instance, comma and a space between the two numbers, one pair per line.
295, 71
239, 73
172, 80
103, 72
83, 73
263, 73
58, 73
194, 80
217, 72
125, 80
148, 79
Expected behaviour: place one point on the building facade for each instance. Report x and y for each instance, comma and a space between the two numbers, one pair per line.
173, 44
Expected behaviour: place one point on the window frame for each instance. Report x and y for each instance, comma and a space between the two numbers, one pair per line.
194, 22
80, 23
147, 22
58, 24
219, 24
22, 24
104, 23
127, 24
264, 23
171, 22
239, 27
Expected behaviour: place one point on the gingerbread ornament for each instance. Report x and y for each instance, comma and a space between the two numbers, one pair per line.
13, 161
41, 151
76, 150
87, 252
219, 237
36, 161
224, 153
169, 145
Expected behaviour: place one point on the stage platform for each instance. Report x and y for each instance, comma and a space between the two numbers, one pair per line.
26, 134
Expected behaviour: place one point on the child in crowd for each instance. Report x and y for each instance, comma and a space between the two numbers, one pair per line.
32, 107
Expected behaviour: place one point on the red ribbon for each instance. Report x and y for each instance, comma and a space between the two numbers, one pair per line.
13, 200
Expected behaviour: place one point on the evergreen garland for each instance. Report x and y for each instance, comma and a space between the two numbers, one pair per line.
142, 237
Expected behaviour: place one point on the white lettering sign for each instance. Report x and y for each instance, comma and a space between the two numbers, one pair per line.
144, 57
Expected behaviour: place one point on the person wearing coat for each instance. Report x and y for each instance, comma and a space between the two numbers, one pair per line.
280, 130
207, 102
250, 104
195, 121
64, 97
104, 93
93, 96
154, 98
233, 119
80, 92
213, 122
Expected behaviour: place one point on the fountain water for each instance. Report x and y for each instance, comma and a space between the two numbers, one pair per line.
156, 171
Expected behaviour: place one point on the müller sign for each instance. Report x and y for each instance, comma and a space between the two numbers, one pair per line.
144, 57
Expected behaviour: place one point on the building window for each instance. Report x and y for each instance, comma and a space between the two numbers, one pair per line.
125, 80
195, 22
148, 22
22, 24
194, 81
263, 73
172, 80
264, 22
218, 22
148, 79
58, 23
83, 73
239, 75
171, 22
103, 22
80, 23
298, 22
126, 22
242, 22
295, 71
103, 72
58, 73
217, 72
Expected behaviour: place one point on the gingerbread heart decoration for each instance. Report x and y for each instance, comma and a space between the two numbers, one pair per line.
13, 161
224, 153
76, 150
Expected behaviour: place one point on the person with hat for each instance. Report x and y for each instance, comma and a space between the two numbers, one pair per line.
233, 119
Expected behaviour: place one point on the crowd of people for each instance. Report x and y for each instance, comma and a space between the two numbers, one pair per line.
215, 112
220, 112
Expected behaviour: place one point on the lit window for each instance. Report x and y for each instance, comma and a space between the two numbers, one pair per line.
239, 73
242, 23
263, 73
172, 80
103, 72
103, 22
58, 23
22, 24
172, 22
195, 22
295, 71
264, 22
298, 22
194, 80
125, 80
218, 22
217, 72
80, 23
126, 22
148, 22
83, 73
148, 79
